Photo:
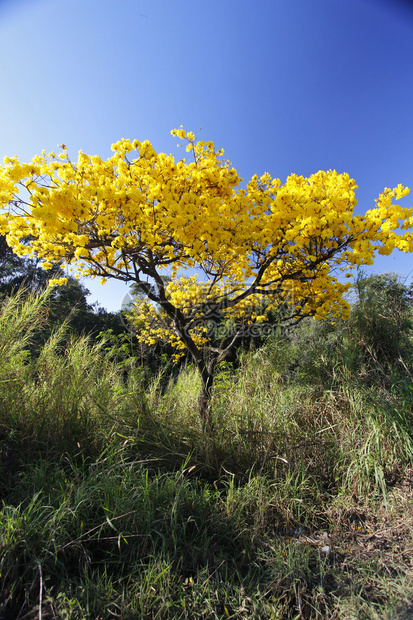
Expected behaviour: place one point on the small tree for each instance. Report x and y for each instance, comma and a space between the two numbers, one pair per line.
381, 318
130, 218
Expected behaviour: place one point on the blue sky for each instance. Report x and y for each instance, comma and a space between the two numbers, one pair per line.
282, 85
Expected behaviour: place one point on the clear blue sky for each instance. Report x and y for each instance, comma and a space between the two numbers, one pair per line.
282, 85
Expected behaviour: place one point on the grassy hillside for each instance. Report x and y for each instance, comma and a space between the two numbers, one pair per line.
114, 504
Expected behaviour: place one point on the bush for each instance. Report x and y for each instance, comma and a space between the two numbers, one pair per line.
368, 347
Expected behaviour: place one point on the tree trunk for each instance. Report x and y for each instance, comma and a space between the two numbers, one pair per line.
204, 399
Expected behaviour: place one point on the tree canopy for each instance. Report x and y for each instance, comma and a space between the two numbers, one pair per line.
134, 217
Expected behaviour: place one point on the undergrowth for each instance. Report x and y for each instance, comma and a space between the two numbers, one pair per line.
115, 504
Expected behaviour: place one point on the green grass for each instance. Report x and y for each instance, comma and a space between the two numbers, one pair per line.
114, 503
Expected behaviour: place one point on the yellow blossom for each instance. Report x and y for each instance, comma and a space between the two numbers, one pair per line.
255, 247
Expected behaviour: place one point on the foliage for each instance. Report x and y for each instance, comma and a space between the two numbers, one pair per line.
367, 347
16, 271
128, 219
256, 247
382, 317
70, 300
67, 301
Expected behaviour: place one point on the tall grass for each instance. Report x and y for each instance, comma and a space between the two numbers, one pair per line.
114, 503
67, 397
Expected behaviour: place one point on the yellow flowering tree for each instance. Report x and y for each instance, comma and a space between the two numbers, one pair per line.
141, 214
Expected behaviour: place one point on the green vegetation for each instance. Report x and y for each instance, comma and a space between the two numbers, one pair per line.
115, 503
